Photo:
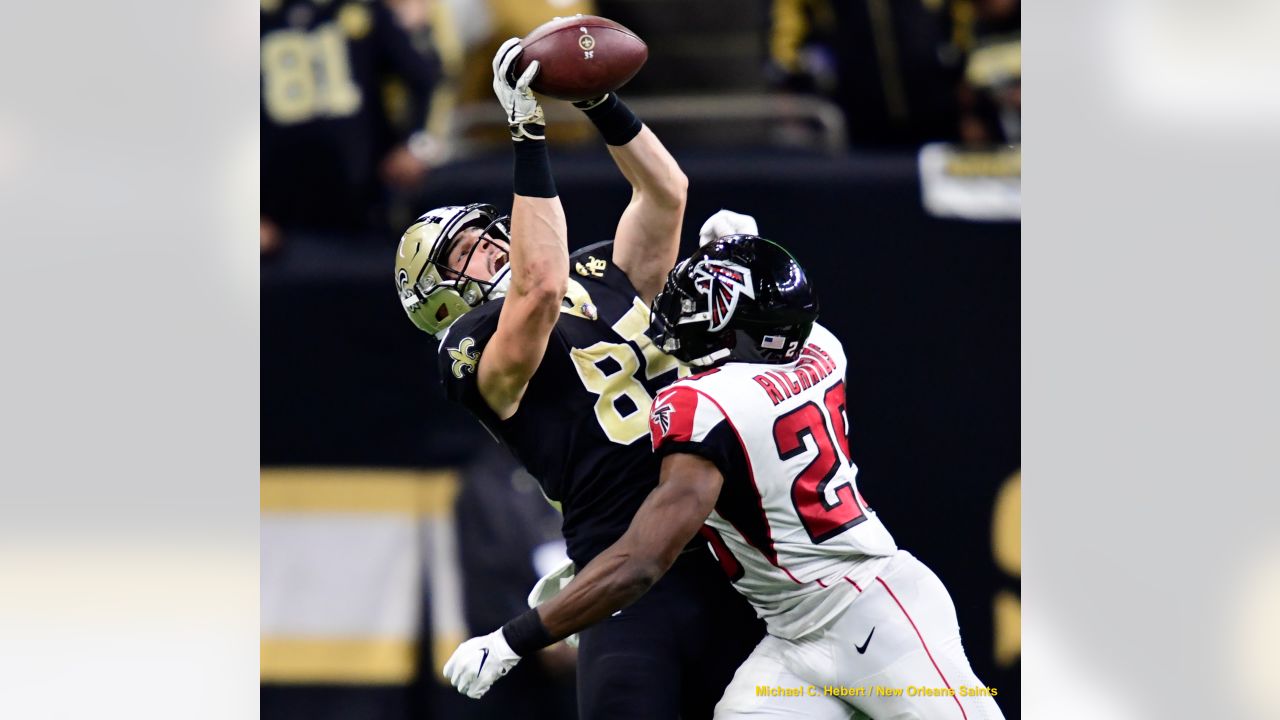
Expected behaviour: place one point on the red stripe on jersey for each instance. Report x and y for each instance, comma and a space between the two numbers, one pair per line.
926, 648
769, 551
794, 579
704, 373
671, 419
728, 562
853, 584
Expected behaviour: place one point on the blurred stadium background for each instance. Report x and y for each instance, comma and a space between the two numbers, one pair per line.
878, 140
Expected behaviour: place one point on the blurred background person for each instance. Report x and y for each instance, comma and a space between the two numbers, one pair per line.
487, 23
903, 73
345, 91
508, 537
468, 32
991, 94
890, 66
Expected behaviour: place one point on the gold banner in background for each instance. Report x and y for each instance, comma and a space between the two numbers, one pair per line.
347, 556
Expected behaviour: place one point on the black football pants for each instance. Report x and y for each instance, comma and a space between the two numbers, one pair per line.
671, 654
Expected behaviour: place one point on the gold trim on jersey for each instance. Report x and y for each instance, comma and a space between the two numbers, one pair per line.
578, 302
593, 267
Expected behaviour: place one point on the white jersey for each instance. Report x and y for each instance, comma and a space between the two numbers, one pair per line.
790, 527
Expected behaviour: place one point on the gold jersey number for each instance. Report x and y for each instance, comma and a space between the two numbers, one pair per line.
307, 75
609, 371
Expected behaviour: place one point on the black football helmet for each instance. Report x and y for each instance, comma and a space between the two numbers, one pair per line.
741, 298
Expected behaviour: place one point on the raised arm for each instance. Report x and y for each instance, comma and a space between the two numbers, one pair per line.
617, 577
648, 236
539, 253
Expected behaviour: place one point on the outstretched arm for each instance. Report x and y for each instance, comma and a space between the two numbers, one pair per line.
617, 577
539, 253
648, 235
664, 524
539, 268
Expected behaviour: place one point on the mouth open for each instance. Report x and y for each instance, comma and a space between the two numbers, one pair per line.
499, 263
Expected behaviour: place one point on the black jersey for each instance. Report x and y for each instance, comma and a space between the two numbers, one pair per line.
582, 426
325, 126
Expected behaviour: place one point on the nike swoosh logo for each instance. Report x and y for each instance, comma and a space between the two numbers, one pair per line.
863, 647
486, 657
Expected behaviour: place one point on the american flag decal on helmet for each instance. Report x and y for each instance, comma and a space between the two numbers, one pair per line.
723, 282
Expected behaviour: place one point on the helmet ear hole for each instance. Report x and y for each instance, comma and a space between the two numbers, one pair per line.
433, 294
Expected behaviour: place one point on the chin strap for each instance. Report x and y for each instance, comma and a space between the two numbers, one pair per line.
670, 345
711, 359
501, 283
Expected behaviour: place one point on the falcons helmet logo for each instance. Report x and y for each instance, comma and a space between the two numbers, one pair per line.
723, 282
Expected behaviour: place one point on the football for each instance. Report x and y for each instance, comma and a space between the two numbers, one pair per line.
582, 57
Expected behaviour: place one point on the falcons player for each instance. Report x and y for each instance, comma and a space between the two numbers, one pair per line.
756, 458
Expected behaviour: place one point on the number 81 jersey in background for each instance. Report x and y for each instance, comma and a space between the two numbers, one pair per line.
790, 527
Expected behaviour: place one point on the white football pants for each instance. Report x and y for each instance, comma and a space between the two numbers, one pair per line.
911, 665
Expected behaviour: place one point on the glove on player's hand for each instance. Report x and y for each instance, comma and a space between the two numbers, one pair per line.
524, 114
479, 662
726, 222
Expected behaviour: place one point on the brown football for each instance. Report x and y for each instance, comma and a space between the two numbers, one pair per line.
582, 57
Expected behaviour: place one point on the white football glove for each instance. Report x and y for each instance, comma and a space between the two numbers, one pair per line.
726, 222
478, 663
524, 114
550, 585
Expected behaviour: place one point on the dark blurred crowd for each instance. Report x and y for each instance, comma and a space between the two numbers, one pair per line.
906, 72
345, 91
362, 98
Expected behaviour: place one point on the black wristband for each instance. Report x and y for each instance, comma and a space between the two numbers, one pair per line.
615, 121
526, 634
533, 169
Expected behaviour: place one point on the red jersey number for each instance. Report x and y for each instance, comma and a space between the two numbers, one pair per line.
821, 519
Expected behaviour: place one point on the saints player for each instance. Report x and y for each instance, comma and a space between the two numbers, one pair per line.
756, 458
549, 352
326, 134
